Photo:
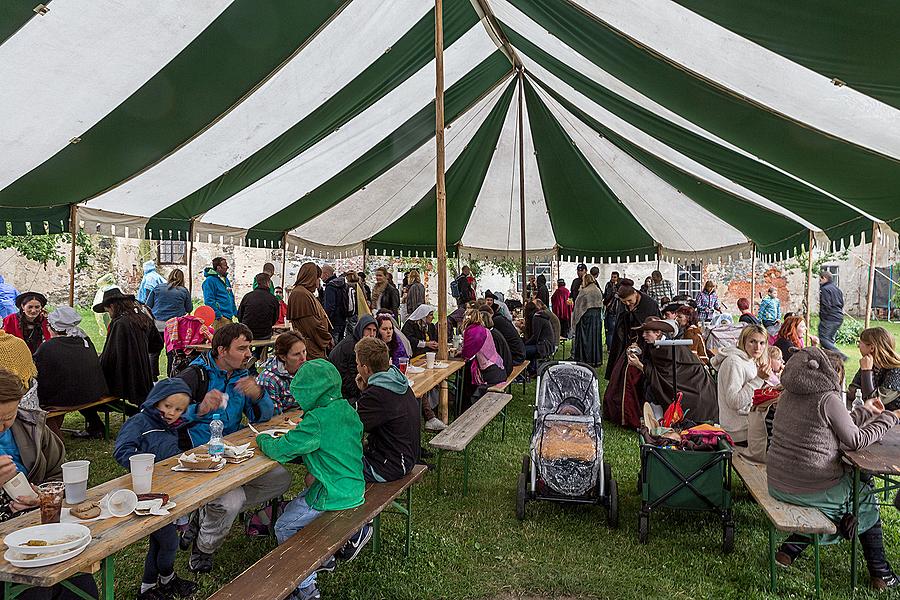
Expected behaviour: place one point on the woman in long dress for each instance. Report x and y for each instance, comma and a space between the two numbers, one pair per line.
587, 321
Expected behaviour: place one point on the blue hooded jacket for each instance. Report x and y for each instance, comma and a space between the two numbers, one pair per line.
148, 432
149, 282
7, 299
218, 294
238, 404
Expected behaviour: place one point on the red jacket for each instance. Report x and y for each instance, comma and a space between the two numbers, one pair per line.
12, 326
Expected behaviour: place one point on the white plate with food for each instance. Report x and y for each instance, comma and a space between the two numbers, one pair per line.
145, 508
219, 466
414, 370
28, 559
46, 539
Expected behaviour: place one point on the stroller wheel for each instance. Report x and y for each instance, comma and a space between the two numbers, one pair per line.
612, 505
728, 537
643, 528
607, 476
521, 493
526, 464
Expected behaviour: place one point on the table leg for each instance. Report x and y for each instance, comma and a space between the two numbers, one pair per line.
466, 471
105, 425
443, 403
11, 591
408, 519
773, 575
818, 569
107, 576
439, 455
376, 536
853, 539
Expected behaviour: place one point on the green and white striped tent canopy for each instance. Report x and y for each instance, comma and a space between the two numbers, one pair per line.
688, 128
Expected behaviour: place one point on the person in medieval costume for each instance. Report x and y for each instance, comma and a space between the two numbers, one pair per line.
587, 322
107, 282
635, 308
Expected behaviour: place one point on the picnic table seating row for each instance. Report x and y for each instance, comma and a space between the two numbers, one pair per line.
460, 433
278, 573
782, 516
500, 387
106, 403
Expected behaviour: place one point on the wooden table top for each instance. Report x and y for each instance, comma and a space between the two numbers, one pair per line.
424, 382
188, 490
254, 344
881, 458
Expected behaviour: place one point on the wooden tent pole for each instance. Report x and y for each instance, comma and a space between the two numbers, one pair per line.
284, 264
73, 230
871, 287
809, 274
521, 126
752, 275
441, 193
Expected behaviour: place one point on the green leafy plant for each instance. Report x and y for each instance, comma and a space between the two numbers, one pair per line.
849, 332
51, 248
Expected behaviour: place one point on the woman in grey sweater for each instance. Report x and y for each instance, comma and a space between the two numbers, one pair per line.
804, 462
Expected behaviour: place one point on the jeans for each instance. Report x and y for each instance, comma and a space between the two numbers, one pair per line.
827, 331
297, 515
369, 472
160, 560
217, 517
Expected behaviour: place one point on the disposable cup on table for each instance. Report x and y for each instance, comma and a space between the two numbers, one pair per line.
404, 362
429, 359
121, 503
75, 476
142, 472
50, 496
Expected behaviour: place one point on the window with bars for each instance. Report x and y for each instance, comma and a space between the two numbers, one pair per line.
534, 269
835, 273
689, 280
173, 252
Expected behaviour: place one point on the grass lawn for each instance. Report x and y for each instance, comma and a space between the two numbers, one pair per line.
473, 547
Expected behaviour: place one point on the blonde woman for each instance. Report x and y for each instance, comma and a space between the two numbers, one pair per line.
743, 369
879, 368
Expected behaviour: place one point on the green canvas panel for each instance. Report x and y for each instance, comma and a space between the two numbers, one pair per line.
387, 152
866, 180
410, 54
837, 220
587, 217
209, 76
856, 42
413, 231
14, 14
771, 231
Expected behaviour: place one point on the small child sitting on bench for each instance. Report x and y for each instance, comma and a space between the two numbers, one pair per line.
329, 440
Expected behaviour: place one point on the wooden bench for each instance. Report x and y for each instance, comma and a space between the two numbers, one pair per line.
500, 387
107, 402
460, 433
782, 516
278, 573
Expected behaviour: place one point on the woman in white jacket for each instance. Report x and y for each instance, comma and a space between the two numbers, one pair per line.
743, 369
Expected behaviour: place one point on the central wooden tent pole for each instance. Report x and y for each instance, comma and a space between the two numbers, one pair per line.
752, 274
190, 257
809, 275
441, 193
73, 230
871, 287
522, 184
284, 264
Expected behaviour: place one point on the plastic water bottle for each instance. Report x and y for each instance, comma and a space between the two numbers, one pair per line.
858, 401
216, 445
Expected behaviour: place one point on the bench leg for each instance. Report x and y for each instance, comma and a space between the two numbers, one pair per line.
466, 471
105, 425
107, 576
438, 469
818, 569
376, 536
853, 538
408, 520
773, 575
11, 591
503, 429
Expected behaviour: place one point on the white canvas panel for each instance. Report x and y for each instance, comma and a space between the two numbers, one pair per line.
353, 40
495, 222
669, 216
66, 70
747, 69
388, 197
326, 159
657, 148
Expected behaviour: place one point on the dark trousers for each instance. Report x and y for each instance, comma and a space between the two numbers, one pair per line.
84, 582
872, 542
827, 332
160, 560
609, 323
94, 424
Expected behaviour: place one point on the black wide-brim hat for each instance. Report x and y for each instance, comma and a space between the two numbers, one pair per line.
26, 296
111, 295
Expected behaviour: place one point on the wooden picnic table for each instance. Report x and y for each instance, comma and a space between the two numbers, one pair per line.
882, 460
188, 490
424, 382
267, 343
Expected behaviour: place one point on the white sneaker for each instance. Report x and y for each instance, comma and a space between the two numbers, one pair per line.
435, 424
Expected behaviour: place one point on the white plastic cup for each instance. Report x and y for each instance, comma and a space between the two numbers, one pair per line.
121, 503
429, 359
142, 472
75, 476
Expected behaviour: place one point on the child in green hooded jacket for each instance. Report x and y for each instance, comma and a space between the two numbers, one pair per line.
329, 440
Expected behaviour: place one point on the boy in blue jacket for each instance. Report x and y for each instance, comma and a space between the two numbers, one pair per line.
159, 429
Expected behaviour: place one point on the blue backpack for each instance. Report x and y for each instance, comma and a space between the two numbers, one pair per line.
454, 288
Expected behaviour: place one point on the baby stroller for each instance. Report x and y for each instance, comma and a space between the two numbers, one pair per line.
566, 459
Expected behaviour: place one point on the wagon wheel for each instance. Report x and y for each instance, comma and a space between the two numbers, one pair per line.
728, 537
612, 506
521, 497
643, 527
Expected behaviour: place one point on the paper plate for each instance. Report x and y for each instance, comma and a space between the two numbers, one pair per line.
74, 532
275, 433
216, 469
14, 557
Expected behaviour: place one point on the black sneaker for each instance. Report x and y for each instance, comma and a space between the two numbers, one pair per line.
884, 582
186, 537
328, 566
153, 593
355, 544
178, 587
200, 562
